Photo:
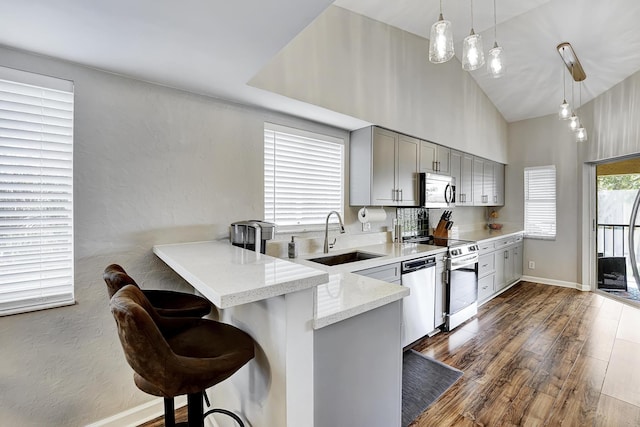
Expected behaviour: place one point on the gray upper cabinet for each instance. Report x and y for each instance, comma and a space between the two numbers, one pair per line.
462, 171
488, 183
434, 158
383, 168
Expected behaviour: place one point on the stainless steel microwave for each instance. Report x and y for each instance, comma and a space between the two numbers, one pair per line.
437, 191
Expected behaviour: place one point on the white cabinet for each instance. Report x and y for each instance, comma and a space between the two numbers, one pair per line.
434, 158
488, 183
499, 265
462, 171
383, 168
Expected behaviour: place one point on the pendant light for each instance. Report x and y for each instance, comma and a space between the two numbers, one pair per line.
472, 51
581, 132
496, 63
441, 41
573, 120
565, 109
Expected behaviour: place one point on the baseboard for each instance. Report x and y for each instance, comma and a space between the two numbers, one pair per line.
554, 282
138, 415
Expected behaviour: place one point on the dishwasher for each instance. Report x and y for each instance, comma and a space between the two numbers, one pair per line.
418, 309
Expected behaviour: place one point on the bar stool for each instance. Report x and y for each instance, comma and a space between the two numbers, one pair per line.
176, 356
167, 303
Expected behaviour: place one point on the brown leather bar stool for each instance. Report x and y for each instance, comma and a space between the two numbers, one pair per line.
167, 303
176, 356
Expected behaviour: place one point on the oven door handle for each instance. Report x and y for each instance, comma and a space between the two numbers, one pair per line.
456, 263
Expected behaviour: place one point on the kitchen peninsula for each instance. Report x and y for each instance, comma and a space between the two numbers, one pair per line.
329, 341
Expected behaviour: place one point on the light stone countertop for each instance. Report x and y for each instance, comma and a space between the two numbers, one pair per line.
348, 294
488, 235
228, 275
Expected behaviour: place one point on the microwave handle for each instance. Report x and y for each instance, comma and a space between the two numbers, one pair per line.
449, 194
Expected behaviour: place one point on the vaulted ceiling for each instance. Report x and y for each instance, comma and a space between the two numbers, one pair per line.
214, 48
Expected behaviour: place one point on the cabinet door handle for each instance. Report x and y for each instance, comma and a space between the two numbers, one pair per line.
434, 166
401, 195
506, 254
495, 199
393, 194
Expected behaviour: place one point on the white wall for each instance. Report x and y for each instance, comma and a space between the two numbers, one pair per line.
152, 165
378, 73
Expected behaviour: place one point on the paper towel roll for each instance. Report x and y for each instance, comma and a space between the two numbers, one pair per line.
371, 215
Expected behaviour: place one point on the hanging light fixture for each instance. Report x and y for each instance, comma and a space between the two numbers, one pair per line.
472, 51
573, 120
565, 109
581, 132
441, 41
496, 63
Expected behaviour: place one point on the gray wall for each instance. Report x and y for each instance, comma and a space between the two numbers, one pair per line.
540, 142
378, 73
152, 165
611, 120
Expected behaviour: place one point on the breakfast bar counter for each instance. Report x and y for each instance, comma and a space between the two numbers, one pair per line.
321, 333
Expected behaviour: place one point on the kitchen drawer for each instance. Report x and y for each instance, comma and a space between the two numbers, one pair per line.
387, 273
486, 287
486, 247
505, 242
486, 264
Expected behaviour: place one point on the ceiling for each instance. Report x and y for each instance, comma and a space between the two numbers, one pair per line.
215, 48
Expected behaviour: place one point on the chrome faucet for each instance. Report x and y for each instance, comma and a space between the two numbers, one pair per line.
326, 230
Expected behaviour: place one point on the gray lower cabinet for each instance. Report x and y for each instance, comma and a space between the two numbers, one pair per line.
387, 273
499, 265
369, 368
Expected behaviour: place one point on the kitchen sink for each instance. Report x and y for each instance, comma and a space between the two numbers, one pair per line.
344, 258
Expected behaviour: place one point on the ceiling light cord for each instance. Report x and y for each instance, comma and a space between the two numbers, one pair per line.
495, 25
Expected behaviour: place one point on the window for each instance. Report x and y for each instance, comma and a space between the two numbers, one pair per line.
540, 202
303, 178
36, 192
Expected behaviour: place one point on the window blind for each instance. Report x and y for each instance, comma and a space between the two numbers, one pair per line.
540, 202
36, 192
303, 177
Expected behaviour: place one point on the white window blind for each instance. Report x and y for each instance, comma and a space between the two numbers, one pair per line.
36, 192
303, 177
540, 202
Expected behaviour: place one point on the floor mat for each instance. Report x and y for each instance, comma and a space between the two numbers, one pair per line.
424, 380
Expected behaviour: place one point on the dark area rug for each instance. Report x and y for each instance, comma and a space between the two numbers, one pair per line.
424, 380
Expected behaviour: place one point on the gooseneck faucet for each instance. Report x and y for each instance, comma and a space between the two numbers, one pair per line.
326, 230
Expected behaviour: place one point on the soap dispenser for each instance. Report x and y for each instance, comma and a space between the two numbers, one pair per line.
293, 250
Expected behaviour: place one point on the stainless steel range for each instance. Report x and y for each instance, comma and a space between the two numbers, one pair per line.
462, 282
461, 278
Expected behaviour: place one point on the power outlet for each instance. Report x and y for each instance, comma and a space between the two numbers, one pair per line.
366, 226
532, 265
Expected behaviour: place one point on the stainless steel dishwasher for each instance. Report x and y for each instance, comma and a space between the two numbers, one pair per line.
418, 309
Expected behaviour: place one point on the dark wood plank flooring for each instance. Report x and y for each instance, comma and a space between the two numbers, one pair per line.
538, 355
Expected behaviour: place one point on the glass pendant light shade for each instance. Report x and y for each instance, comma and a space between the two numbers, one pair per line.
441, 42
573, 122
472, 52
565, 110
581, 134
496, 63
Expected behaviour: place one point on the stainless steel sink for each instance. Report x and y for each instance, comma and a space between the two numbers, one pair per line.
344, 258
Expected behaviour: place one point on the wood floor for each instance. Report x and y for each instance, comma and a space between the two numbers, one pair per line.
541, 355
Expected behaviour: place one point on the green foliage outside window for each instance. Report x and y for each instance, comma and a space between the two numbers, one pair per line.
619, 182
